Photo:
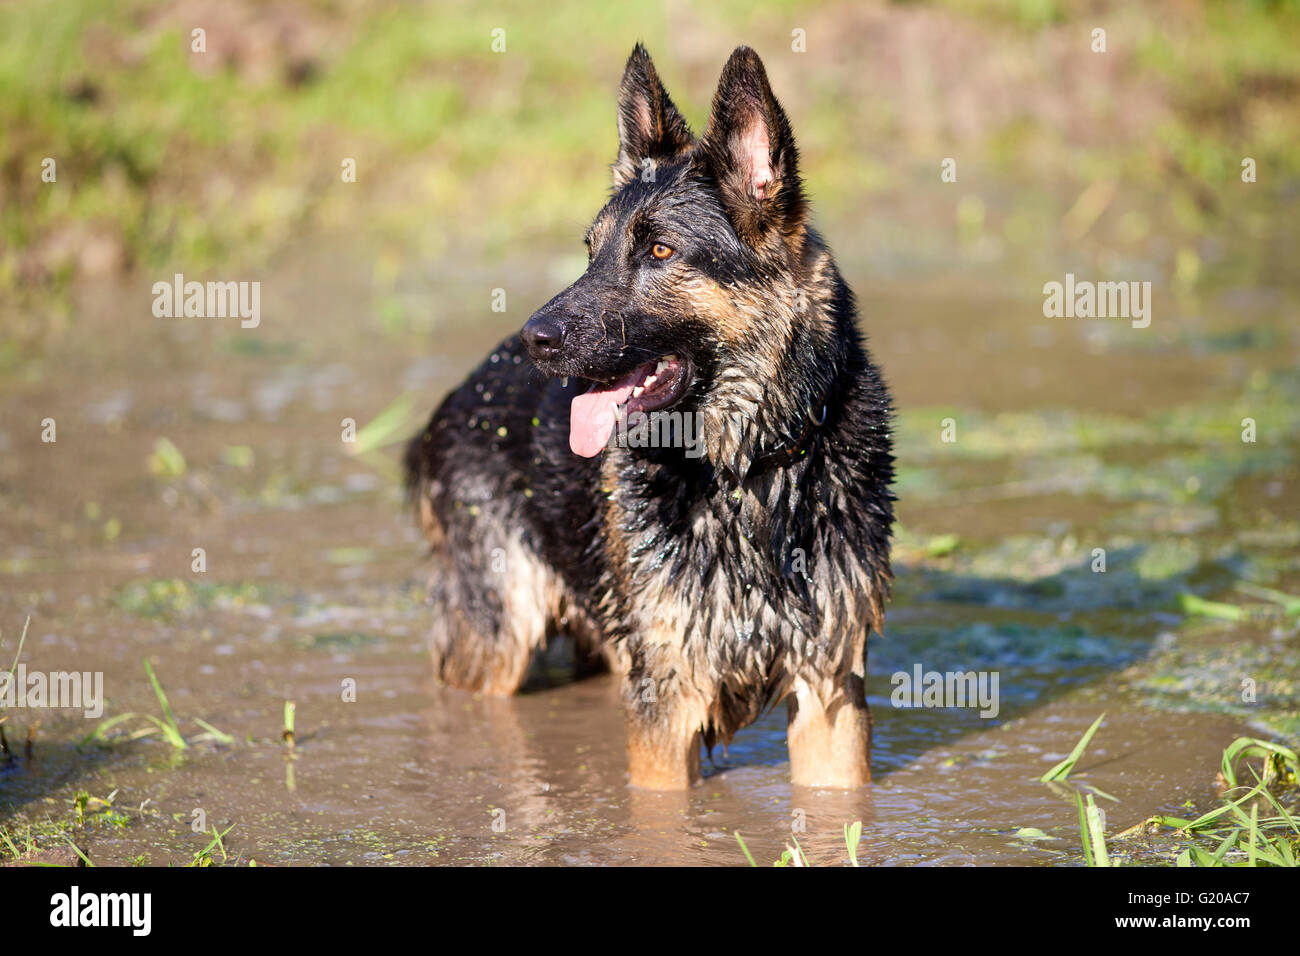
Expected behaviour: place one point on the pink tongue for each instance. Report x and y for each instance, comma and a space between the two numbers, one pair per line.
591, 415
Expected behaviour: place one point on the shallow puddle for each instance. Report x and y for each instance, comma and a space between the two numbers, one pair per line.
314, 578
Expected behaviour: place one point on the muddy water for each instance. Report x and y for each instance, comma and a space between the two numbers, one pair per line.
1071, 436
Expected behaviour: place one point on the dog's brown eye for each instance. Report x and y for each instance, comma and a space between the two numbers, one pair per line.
660, 251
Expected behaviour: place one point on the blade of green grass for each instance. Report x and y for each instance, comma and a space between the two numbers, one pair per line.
110, 722
1062, 770
744, 849
218, 735
76, 849
801, 858
852, 837
173, 732
21, 641
4, 835
1246, 747
1254, 834
1228, 843
1083, 830
1096, 832
1290, 602
393, 424
1191, 604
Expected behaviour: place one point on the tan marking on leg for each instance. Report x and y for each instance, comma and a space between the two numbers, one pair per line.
662, 758
830, 742
533, 602
664, 730
429, 522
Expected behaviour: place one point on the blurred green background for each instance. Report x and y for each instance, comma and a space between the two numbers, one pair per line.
170, 158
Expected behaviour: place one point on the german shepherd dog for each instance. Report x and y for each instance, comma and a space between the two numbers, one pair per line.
737, 562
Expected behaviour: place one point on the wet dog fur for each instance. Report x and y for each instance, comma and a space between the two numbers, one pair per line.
716, 583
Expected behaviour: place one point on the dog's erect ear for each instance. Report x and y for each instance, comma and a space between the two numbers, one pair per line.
649, 126
748, 150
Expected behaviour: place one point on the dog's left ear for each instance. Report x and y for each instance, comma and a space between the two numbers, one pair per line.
649, 126
748, 150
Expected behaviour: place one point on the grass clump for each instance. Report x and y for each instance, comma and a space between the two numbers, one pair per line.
1251, 827
164, 726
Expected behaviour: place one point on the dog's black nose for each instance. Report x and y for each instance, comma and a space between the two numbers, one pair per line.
543, 336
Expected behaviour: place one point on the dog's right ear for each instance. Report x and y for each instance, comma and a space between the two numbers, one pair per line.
649, 127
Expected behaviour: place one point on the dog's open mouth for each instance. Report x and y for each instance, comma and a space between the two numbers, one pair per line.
645, 389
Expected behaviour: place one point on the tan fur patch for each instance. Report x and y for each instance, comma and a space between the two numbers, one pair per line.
534, 602
429, 523
829, 741
662, 757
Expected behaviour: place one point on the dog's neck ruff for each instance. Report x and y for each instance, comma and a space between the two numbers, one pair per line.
791, 451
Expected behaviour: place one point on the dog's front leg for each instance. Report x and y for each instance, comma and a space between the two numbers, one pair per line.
663, 732
830, 734
658, 759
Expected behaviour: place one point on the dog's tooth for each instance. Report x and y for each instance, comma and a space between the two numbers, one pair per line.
636, 392
649, 380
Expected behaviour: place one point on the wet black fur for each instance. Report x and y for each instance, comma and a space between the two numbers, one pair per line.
720, 535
